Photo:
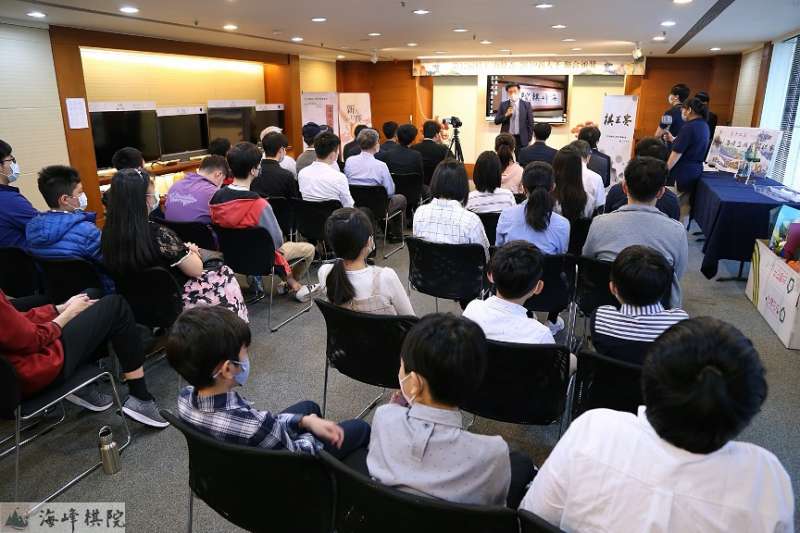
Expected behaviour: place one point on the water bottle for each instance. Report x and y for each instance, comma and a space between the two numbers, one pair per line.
109, 453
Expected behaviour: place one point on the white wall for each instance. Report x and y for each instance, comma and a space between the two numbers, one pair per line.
317, 76
30, 114
746, 88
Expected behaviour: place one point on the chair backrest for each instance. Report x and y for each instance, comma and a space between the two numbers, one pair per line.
559, 284
451, 271
524, 383
372, 197
64, 278
364, 346
18, 274
530, 523
154, 296
578, 231
519, 198
592, 290
239, 481
283, 213
310, 217
248, 251
195, 232
490, 225
602, 381
10, 390
409, 185
364, 505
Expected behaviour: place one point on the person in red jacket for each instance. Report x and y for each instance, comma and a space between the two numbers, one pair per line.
47, 343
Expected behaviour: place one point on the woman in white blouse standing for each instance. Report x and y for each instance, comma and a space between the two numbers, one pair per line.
489, 196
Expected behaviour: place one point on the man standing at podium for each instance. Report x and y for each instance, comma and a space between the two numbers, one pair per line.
516, 117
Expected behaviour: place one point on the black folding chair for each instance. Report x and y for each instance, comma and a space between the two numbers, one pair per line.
376, 200
251, 252
524, 384
448, 271
363, 346
410, 186
22, 411
591, 290
530, 523
64, 278
195, 232
154, 296
237, 481
559, 288
18, 274
578, 231
284, 214
310, 219
490, 225
602, 381
364, 505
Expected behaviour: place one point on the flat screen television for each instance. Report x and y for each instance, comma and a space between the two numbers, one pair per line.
183, 136
547, 95
232, 123
113, 130
260, 119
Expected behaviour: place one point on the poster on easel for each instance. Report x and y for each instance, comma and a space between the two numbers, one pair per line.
354, 109
616, 128
320, 108
730, 144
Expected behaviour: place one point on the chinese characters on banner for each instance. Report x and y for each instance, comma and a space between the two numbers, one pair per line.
354, 109
616, 127
66, 517
730, 144
321, 108
542, 98
774, 288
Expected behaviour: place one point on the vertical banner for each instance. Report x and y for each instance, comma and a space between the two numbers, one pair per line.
354, 109
321, 108
616, 127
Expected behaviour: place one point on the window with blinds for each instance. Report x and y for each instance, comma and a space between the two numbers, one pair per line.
781, 109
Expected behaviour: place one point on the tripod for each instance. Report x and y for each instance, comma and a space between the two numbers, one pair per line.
455, 141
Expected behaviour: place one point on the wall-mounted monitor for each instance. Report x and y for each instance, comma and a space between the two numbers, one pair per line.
183, 131
113, 130
265, 115
547, 95
232, 123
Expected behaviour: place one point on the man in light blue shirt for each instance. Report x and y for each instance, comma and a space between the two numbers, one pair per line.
364, 169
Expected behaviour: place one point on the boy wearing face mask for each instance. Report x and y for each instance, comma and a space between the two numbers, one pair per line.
66, 231
15, 209
208, 346
419, 446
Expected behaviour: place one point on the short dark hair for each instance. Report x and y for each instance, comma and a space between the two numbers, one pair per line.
681, 91
512, 84
542, 131
590, 134
430, 128
487, 173
325, 143
5, 149
215, 162
55, 181
702, 96
347, 230
449, 181
702, 382
582, 147
389, 129
127, 157
202, 338
310, 130
641, 275
516, 268
697, 106
406, 134
644, 177
273, 142
652, 147
367, 139
358, 129
219, 146
450, 353
243, 158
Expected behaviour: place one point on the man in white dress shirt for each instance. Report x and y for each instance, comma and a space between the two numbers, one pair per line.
675, 467
320, 181
592, 181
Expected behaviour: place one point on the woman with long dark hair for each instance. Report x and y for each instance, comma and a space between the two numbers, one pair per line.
489, 196
511, 171
131, 243
571, 198
689, 151
350, 282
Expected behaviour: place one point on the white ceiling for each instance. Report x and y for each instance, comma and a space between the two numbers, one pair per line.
600, 27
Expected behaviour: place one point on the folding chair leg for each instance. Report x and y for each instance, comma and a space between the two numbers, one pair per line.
402, 235
37, 434
325, 389
371, 405
191, 509
269, 311
436, 303
566, 416
17, 447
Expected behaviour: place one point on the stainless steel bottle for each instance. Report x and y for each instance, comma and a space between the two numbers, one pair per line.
109, 453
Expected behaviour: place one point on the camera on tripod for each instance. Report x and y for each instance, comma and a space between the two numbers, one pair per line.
453, 121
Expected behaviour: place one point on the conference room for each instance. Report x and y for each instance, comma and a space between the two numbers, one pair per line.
528, 266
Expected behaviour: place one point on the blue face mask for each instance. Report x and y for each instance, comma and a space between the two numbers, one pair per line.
241, 377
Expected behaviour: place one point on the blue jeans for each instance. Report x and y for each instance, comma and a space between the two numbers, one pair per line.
356, 432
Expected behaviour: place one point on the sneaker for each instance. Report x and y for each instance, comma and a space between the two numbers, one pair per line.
305, 292
282, 288
145, 412
91, 398
556, 328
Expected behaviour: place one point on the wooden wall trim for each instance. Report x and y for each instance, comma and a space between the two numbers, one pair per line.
761, 88
281, 83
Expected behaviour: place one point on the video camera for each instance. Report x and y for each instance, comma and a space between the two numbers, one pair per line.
452, 121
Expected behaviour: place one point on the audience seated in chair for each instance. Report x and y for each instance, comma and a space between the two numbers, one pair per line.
66, 231
15, 209
511, 171
236, 206
417, 442
353, 147
598, 162
47, 343
390, 134
287, 162
322, 180
350, 282
128, 157
220, 146
640, 277
431, 148
573, 200
273, 179
534, 220
489, 197
187, 199
592, 181
675, 467
445, 219
131, 243
402, 159
538, 151
309, 155
208, 346
640, 222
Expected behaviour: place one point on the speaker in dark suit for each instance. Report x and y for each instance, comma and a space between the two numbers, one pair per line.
516, 117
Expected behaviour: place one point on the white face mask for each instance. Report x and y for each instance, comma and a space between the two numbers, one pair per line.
514, 97
83, 202
14, 176
408, 400
156, 202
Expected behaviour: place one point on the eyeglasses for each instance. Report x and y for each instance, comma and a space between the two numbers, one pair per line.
11, 159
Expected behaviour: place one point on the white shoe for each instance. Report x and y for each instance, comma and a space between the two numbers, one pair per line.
556, 328
305, 292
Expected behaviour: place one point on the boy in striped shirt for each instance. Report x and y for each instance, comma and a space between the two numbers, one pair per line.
640, 277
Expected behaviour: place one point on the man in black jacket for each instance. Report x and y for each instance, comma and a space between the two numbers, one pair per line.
431, 148
390, 133
273, 181
352, 148
599, 162
538, 151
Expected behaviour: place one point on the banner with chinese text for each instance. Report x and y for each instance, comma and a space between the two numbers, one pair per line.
321, 108
729, 145
526, 66
354, 109
616, 127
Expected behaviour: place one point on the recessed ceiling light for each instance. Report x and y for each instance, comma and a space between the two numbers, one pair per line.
340, 56
682, 1
558, 26
568, 40
374, 34
577, 49
660, 38
505, 49
318, 19
544, 6
420, 11
715, 49
230, 27
486, 41
411, 44
36, 14
297, 39
129, 10
668, 23
440, 52
460, 30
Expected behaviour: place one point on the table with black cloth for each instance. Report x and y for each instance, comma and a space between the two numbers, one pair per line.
732, 216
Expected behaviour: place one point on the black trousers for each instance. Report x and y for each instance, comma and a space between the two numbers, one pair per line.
517, 146
356, 432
